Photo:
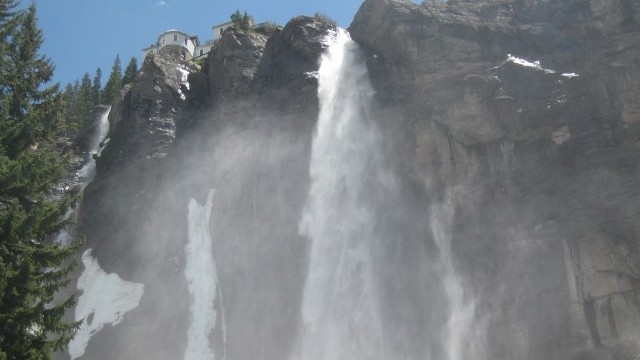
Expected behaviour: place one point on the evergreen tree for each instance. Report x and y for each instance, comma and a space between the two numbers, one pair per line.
69, 97
114, 84
242, 21
6, 8
68, 94
32, 270
7, 24
130, 71
72, 112
236, 18
247, 21
97, 87
84, 103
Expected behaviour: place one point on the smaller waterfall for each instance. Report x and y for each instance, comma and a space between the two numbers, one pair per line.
202, 281
85, 175
88, 171
460, 338
105, 298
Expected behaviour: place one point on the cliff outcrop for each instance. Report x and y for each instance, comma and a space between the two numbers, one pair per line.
241, 124
526, 113
521, 115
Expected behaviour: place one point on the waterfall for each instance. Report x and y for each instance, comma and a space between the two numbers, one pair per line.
105, 298
88, 171
374, 290
461, 336
85, 175
339, 311
202, 282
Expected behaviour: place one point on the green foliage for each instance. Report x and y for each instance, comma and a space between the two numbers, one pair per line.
96, 88
70, 98
24, 118
114, 83
242, 21
32, 270
201, 62
79, 100
130, 71
84, 102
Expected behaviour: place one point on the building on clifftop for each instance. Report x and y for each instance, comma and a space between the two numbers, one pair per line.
183, 46
219, 29
174, 43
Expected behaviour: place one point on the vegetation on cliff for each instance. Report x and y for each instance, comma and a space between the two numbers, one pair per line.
114, 83
83, 96
32, 269
242, 21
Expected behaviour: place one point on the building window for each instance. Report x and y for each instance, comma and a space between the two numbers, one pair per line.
221, 30
175, 37
201, 51
185, 41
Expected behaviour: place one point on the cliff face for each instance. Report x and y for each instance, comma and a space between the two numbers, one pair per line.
240, 126
537, 159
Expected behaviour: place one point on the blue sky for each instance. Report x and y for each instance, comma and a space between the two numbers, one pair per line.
82, 35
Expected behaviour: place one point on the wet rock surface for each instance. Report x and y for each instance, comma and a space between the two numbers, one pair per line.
523, 113
232, 129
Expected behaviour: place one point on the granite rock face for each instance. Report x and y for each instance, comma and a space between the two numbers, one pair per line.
143, 119
176, 134
526, 113
233, 64
521, 115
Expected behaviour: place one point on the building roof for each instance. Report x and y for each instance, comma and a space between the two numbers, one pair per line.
222, 24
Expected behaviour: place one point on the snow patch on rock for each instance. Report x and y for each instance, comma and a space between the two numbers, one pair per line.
105, 299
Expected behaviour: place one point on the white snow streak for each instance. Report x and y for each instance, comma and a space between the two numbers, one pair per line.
536, 64
105, 299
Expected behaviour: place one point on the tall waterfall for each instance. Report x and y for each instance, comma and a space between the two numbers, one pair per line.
339, 310
375, 289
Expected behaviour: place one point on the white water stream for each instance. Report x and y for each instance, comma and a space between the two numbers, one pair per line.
461, 337
86, 174
105, 298
345, 298
88, 171
340, 314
